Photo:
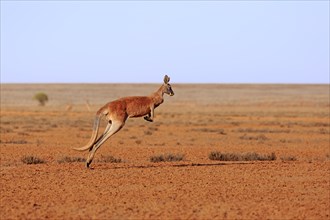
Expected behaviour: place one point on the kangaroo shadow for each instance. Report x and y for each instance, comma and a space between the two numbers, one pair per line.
150, 166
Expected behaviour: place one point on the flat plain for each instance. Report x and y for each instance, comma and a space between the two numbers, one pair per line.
291, 121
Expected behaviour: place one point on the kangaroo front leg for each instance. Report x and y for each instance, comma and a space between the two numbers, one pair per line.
150, 116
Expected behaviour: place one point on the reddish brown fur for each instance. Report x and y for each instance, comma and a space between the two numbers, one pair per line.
132, 106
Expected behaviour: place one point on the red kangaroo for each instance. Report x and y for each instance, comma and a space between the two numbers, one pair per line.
118, 111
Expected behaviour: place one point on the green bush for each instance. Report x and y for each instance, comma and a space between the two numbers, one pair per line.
41, 97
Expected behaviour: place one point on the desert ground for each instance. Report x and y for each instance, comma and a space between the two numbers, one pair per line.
290, 121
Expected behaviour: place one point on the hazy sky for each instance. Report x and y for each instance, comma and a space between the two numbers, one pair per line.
140, 41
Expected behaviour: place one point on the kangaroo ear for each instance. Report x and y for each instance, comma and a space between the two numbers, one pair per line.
166, 79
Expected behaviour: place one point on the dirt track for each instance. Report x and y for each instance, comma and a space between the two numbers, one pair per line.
291, 121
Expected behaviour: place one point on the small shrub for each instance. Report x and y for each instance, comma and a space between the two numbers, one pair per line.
158, 158
224, 156
110, 159
67, 159
252, 156
166, 158
41, 97
31, 160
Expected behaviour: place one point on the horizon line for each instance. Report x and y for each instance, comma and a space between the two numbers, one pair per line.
187, 83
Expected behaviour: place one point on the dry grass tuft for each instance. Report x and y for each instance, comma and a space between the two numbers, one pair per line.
110, 159
209, 130
265, 130
166, 158
256, 138
251, 156
14, 142
32, 160
67, 159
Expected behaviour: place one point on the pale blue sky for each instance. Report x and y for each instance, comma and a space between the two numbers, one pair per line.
140, 41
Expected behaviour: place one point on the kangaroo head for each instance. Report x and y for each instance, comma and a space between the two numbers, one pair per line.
167, 87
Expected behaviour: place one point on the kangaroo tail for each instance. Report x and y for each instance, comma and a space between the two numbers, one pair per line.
94, 134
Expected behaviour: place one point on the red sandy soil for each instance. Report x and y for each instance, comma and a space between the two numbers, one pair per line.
291, 121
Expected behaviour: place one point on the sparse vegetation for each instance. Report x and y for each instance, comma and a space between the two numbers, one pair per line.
323, 131
68, 159
210, 130
166, 158
103, 159
109, 159
14, 142
251, 156
32, 160
264, 130
41, 97
256, 138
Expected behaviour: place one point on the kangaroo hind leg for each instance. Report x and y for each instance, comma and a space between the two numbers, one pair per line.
114, 128
101, 136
